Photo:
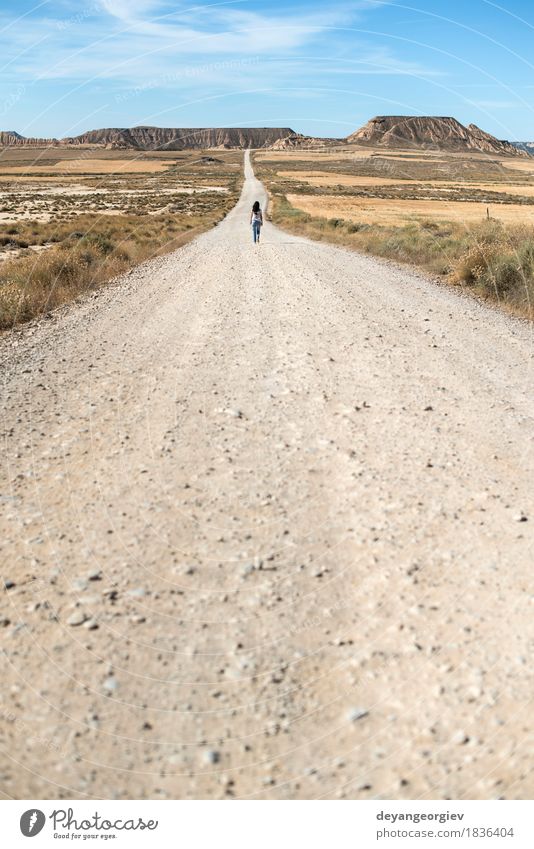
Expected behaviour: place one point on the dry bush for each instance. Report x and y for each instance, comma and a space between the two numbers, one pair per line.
84, 253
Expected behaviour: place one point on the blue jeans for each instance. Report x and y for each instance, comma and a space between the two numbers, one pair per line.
256, 231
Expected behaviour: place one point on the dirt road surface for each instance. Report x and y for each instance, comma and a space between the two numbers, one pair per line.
267, 533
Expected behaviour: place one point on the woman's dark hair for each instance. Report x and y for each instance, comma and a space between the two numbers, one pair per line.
256, 206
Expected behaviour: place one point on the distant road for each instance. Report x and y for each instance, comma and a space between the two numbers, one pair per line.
268, 514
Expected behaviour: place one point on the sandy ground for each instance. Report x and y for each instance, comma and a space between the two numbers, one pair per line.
92, 166
267, 532
398, 212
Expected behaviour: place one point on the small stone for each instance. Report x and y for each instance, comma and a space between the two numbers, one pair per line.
112, 595
357, 713
4, 621
110, 684
9, 584
235, 413
77, 618
95, 575
137, 619
89, 600
460, 738
520, 517
91, 624
138, 592
211, 756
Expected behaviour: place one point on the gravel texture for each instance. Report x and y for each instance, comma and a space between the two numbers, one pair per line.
266, 531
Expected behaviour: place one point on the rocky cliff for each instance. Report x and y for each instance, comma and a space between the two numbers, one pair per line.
438, 133
174, 138
9, 138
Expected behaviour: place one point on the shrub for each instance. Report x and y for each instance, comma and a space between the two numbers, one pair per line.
503, 276
473, 263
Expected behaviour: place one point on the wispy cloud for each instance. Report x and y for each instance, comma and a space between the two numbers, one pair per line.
379, 61
125, 39
496, 104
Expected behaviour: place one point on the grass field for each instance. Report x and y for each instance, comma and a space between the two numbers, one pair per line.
399, 211
69, 223
468, 218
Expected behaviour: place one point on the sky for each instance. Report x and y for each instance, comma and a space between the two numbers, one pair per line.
321, 68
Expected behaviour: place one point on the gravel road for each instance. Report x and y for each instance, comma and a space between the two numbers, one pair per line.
266, 532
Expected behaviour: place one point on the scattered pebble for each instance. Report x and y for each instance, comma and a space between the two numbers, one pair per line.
77, 618
211, 756
9, 584
460, 738
95, 575
357, 713
91, 624
110, 684
138, 592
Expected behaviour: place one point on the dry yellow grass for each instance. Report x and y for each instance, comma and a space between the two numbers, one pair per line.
346, 153
526, 165
389, 211
326, 178
31, 178
93, 166
330, 178
311, 156
62, 235
493, 259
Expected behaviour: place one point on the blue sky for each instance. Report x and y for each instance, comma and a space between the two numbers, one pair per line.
320, 68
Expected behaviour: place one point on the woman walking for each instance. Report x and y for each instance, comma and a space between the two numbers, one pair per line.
256, 219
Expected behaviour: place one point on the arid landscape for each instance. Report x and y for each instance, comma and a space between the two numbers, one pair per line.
267, 423
266, 529
465, 216
72, 218
450, 199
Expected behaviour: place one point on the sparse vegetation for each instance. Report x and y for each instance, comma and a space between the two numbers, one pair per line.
347, 200
81, 239
488, 258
